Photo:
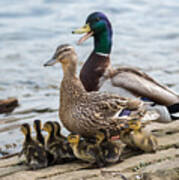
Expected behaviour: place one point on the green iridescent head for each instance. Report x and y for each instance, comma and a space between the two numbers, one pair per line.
98, 26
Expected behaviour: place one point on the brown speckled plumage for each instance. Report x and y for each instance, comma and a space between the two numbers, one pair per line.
85, 113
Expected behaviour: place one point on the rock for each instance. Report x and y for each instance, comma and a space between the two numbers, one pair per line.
8, 105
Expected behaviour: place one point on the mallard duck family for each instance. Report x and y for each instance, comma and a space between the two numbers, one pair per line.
98, 151
102, 103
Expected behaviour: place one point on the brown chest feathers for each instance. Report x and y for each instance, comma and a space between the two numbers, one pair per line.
93, 70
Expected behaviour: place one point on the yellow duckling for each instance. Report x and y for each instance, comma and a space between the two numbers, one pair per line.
34, 152
85, 151
110, 151
139, 139
38, 126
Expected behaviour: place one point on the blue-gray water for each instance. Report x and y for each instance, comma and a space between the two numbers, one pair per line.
146, 35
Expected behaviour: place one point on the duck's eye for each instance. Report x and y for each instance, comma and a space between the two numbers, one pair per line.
97, 19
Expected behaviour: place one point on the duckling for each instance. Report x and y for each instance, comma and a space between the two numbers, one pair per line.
145, 141
69, 156
35, 154
57, 147
110, 151
38, 126
58, 131
85, 151
140, 139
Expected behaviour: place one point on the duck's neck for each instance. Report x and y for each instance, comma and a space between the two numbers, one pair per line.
71, 86
75, 149
92, 72
71, 92
28, 137
103, 42
51, 136
38, 132
39, 136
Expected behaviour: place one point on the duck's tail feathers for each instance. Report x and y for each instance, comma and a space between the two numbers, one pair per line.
174, 117
174, 108
174, 111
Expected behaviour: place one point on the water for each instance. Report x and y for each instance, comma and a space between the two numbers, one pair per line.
145, 35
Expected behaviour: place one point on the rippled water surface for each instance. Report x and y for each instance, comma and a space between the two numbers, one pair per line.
146, 34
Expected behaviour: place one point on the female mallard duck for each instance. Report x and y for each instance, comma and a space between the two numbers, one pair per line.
38, 126
139, 139
85, 151
110, 150
85, 113
57, 147
34, 152
97, 73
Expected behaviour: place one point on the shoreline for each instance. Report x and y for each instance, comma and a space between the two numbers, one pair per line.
164, 164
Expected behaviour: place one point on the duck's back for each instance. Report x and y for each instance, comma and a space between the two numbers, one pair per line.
140, 84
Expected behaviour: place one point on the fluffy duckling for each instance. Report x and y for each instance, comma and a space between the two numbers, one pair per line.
69, 156
34, 152
139, 139
53, 145
85, 151
38, 126
57, 147
110, 151
88, 112
58, 131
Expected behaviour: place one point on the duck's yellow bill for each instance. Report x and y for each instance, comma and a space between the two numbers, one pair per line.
85, 29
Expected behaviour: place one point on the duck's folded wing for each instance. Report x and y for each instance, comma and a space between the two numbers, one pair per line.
141, 84
105, 111
108, 108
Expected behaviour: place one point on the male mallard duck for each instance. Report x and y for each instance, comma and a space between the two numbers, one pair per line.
57, 147
85, 151
110, 150
97, 73
34, 152
139, 139
85, 113
38, 126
